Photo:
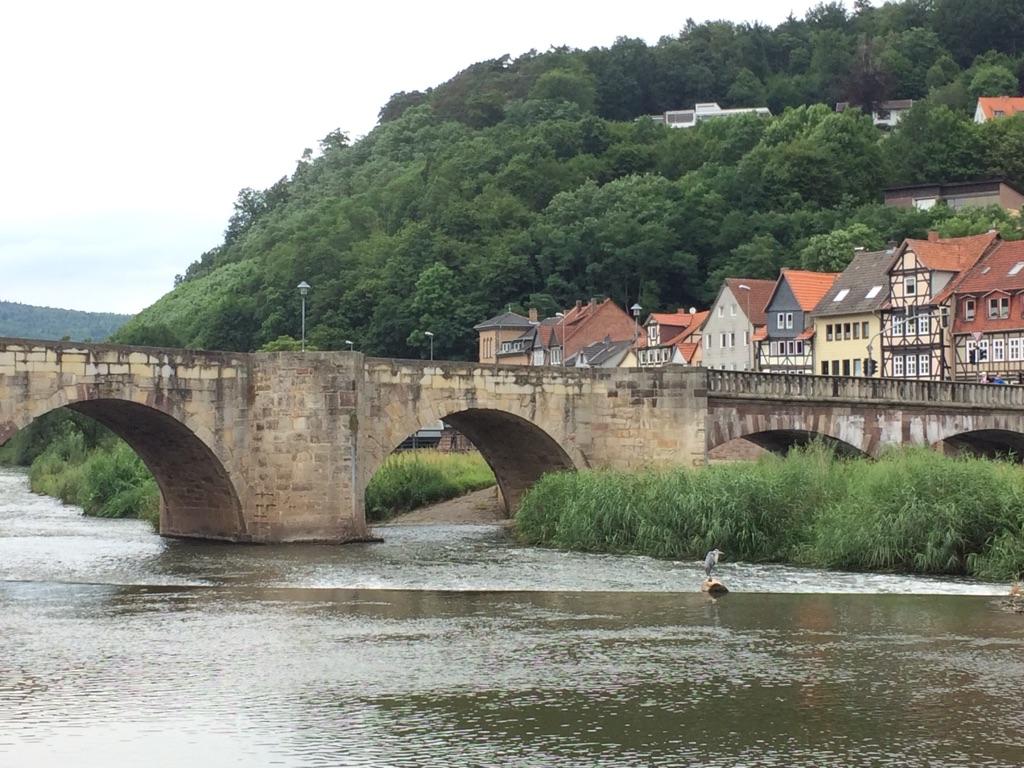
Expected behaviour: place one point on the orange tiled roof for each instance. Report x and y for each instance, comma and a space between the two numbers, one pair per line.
808, 287
953, 254
761, 333
1007, 105
688, 349
997, 272
696, 321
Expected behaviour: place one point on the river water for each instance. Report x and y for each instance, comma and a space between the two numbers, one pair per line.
452, 645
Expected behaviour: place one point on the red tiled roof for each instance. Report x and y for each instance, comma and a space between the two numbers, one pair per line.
952, 254
688, 349
807, 333
808, 287
697, 320
761, 333
760, 294
992, 274
1007, 105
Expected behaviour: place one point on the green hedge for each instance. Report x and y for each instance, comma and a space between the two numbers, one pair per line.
414, 479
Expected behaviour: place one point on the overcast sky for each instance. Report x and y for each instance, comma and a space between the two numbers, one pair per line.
129, 127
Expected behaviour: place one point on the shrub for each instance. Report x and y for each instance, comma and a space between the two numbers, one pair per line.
415, 478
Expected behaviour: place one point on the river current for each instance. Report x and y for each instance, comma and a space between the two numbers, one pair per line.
453, 645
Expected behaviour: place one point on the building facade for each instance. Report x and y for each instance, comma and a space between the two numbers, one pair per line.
964, 194
786, 343
687, 118
846, 320
733, 321
916, 318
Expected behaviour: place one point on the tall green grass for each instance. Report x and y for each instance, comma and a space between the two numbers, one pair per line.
415, 478
912, 511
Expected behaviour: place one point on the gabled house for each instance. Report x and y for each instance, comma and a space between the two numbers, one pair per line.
846, 320
987, 308
511, 339
915, 319
957, 195
669, 338
735, 317
994, 107
786, 343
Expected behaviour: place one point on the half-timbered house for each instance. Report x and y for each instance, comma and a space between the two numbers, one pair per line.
915, 329
785, 344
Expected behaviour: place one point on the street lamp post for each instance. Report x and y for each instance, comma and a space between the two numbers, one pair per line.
560, 335
750, 339
303, 290
349, 342
635, 309
430, 335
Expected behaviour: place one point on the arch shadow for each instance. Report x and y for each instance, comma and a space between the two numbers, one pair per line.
197, 497
985, 443
518, 451
780, 441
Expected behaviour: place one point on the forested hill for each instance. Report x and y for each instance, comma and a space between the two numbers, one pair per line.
28, 322
536, 181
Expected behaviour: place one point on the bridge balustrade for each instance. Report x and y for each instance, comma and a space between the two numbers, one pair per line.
797, 386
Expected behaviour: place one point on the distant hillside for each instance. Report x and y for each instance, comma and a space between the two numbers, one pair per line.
25, 321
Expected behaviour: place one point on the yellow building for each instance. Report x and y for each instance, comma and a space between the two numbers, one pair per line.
846, 320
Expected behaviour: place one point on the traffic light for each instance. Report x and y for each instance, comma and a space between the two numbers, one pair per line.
870, 366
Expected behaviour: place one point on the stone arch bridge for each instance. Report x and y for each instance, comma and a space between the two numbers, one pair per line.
279, 447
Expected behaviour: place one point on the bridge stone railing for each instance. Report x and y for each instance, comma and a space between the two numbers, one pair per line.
803, 387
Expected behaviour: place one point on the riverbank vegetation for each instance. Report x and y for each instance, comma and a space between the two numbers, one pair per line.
911, 511
80, 462
413, 479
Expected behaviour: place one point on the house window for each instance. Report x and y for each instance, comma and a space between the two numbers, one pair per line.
924, 365
864, 329
923, 324
722, 338
846, 331
897, 324
983, 350
856, 330
911, 365
828, 333
746, 338
968, 309
909, 285
835, 367
799, 347
781, 320
732, 310
911, 329
972, 351
897, 365
944, 316
721, 310
857, 367
824, 367
732, 340
999, 307
846, 367
556, 355
707, 341
1015, 348
924, 203
789, 320
998, 350
652, 333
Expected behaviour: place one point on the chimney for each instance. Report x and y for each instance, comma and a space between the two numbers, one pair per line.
593, 301
578, 303
533, 314
933, 236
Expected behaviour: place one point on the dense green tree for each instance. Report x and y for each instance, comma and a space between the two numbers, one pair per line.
993, 80
832, 252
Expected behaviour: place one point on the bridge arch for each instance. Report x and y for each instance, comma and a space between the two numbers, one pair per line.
778, 428
781, 441
518, 450
197, 495
988, 443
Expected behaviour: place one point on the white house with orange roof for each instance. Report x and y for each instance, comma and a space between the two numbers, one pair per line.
668, 338
994, 107
786, 342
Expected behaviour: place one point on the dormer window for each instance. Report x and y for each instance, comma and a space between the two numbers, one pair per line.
652, 334
999, 307
968, 310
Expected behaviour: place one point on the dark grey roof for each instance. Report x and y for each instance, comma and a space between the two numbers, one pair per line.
504, 320
866, 271
601, 352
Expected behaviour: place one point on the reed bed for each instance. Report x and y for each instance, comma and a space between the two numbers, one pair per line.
414, 479
913, 510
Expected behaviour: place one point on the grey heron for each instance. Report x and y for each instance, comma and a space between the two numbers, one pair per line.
711, 560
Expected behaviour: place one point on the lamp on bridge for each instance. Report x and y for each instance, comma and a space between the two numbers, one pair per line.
430, 335
750, 338
303, 290
350, 346
635, 309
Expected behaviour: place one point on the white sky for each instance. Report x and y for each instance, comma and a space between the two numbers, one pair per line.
127, 128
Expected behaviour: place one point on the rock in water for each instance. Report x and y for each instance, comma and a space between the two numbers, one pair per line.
713, 587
